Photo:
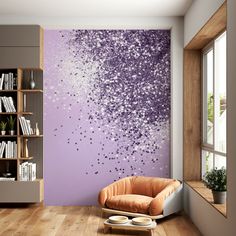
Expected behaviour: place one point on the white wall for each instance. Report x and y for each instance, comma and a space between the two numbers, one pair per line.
231, 112
209, 221
197, 15
173, 23
231, 119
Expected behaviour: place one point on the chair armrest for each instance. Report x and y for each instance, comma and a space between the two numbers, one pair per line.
119, 187
157, 204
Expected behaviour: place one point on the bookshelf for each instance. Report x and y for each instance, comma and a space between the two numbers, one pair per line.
29, 104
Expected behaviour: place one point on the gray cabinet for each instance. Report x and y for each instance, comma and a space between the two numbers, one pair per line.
21, 191
21, 46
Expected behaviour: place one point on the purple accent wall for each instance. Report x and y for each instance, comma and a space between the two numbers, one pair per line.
106, 110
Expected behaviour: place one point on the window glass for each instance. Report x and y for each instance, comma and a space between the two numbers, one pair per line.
207, 162
220, 161
220, 93
214, 105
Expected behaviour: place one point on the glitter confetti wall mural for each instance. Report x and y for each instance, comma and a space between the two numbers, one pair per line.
106, 110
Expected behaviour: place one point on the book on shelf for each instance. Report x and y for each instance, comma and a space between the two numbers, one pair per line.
8, 81
6, 179
10, 149
2, 148
8, 104
25, 126
11, 103
1, 81
27, 171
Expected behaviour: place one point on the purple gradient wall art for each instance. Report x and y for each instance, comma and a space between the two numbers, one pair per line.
106, 110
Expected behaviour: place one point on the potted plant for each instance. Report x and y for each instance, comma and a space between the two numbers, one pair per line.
216, 180
11, 125
3, 126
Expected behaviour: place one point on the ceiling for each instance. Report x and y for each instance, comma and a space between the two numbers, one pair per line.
94, 8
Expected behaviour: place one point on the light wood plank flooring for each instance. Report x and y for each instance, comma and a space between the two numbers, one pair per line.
75, 220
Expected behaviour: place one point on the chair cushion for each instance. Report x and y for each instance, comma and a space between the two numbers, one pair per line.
130, 202
149, 186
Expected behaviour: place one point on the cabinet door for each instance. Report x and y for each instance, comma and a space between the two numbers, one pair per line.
21, 191
21, 46
20, 35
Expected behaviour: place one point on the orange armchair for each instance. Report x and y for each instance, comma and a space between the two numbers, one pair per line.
139, 195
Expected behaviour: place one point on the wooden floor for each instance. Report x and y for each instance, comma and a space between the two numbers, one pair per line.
84, 221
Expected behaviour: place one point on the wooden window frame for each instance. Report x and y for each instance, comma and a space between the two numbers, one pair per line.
192, 104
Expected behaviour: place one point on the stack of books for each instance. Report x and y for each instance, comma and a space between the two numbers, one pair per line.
27, 171
8, 104
8, 82
25, 126
6, 179
10, 149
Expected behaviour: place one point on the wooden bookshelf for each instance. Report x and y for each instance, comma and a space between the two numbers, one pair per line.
33, 190
25, 158
8, 136
23, 91
22, 136
16, 113
31, 136
8, 113
8, 91
25, 113
31, 90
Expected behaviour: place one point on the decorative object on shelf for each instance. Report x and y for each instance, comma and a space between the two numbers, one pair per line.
37, 129
7, 174
216, 180
32, 82
11, 125
24, 102
3, 126
25, 148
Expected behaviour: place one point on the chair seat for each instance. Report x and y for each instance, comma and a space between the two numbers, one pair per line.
130, 202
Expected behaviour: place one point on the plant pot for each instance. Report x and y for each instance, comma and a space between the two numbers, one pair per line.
3, 132
11, 132
219, 197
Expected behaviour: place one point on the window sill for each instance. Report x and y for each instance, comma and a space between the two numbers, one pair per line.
205, 193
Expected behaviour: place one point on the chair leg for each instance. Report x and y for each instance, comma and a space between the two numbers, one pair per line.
104, 215
152, 232
106, 229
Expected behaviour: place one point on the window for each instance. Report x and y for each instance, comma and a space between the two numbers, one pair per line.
214, 105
